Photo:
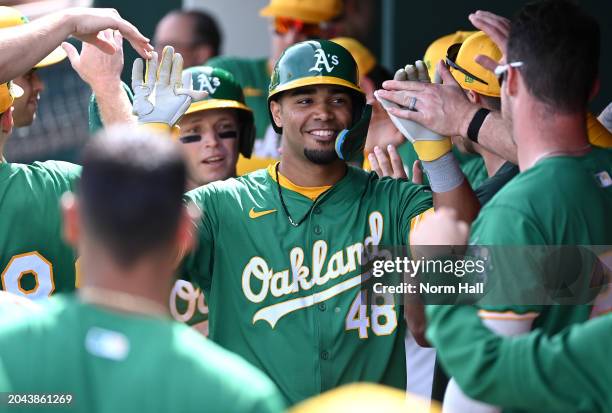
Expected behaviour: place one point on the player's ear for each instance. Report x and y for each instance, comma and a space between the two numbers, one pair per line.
275, 110
6, 121
70, 214
473, 96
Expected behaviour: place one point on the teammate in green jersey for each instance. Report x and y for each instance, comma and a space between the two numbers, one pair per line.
213, 131
34, 261
108, 346
292, 22
279, 249
563, 194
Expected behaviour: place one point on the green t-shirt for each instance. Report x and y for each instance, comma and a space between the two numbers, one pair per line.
115, 362
473, 166
567, 372
34, 261
254, 77
560, 201
287, 298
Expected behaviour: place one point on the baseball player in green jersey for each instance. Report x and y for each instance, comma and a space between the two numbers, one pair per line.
279, 249
566, 372
25, 107
107, 346
563, 194
213, 132
292, 22
34, 261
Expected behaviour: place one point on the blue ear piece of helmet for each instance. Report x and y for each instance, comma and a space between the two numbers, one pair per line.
350, 142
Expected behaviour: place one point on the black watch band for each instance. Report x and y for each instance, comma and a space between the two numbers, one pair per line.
476, 123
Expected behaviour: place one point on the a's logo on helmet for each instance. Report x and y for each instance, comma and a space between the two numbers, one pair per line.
322, 59
209, 84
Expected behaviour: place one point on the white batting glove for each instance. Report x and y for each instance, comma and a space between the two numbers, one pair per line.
428, 145
166, 93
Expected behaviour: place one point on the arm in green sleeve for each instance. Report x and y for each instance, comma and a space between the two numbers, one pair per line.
570, 371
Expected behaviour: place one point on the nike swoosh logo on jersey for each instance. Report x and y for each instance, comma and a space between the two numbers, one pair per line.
253, 214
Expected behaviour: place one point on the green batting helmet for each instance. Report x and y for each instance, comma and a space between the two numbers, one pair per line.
322, 62
224, 92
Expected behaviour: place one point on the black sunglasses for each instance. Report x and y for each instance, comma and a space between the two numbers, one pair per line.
232, 134
451, 57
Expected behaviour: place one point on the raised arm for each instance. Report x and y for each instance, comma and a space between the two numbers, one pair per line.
43, 35
102, 72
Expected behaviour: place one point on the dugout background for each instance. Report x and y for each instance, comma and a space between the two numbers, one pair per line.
399, 33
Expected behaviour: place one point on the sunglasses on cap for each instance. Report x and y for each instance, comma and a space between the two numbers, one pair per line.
194, 137
282, 25
451, 57
501, 70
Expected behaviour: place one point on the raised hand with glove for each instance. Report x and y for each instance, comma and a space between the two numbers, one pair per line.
434, 150
163, 93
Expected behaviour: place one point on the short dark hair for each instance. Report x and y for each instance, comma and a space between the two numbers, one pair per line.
559, 45
205, 29
131, 191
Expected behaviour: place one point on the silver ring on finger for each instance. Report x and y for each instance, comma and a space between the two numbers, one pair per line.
412, 104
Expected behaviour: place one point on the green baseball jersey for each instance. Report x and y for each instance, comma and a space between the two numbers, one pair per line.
34, 261
287, 298
567, 372
110, 361
188, 305
561, 200
473, 166
254, 77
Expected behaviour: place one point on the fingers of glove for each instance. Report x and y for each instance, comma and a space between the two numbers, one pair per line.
400, 75
176, 75
417, 173
151, 70
383, 161
374, 165
137, 76
165, 67
411, 73
396, 162
193, 94
422, 73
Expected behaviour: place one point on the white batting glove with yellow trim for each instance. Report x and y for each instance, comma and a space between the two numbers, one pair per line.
427, 144
166, 93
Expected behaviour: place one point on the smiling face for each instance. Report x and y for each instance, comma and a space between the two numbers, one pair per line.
311, 118
209, 139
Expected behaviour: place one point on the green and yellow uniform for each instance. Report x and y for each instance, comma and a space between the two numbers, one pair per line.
567, 372
286, 298
34, 260
110, 362
561, 200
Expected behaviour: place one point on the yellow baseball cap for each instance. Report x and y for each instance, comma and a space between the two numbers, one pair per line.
437, 50
365, 398
8, 92
468, 73
364, 58
311, 11
10, 17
